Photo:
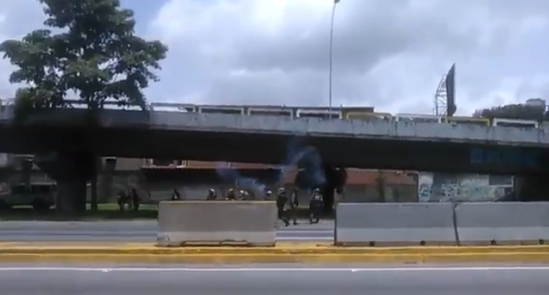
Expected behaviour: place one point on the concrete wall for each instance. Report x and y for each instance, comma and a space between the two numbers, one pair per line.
437, 187
370, 194
128, 164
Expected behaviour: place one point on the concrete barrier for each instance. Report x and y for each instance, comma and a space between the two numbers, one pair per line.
502, 223
392, 224
250, 223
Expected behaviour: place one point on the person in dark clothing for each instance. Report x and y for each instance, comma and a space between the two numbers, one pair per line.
315, 206
135, 199
231, 195
175, 195
294, 205
212, 195
122, 200
268, 195
281, 202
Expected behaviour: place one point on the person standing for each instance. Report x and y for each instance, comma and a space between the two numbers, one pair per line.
135, 199
212, 195
268, 195
122, 200
281, 202
316, 205
231, 195
294, 205
176, 196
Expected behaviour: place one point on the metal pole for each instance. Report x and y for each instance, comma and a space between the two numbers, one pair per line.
331, 57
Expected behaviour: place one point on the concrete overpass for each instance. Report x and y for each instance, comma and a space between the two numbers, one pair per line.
224, 137
64, 142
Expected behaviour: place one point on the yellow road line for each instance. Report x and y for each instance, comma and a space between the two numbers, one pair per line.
279, 258
319, 250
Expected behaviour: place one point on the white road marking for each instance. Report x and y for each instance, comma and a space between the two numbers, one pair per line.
285, 269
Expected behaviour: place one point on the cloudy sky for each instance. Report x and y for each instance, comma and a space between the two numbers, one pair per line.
390, 54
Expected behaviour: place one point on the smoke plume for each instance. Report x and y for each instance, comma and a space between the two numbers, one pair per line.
305, 157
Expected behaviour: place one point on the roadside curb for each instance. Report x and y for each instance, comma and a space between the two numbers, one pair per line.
242, 255
278, 258
149, 249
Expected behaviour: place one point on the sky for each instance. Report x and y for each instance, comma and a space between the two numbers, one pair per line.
390, 54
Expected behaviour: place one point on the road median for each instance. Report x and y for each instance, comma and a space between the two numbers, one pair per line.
282, 253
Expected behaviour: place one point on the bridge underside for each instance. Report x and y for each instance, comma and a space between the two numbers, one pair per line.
169, 178
68, 154
282, 149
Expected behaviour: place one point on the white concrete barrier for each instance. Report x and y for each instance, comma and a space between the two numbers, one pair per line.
502, 223
249, 223
392, 224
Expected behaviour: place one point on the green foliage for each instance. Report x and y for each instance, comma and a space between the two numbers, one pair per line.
514, 111
96, 54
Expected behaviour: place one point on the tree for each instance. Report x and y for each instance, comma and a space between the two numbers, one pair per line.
513, 111
96, 54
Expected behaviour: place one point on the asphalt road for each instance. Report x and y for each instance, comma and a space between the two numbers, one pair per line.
132, 231
276, 281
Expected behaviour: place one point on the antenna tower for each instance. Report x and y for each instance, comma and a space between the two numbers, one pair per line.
441, 98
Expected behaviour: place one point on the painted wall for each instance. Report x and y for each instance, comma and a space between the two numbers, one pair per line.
431, 187
437, 187
370, 194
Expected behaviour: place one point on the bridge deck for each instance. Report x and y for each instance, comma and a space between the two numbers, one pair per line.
350, 143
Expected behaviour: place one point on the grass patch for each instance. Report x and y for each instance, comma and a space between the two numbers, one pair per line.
114, 207
105, 212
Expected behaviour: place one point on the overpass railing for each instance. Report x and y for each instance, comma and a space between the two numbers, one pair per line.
418, 118
6, 113
515, 123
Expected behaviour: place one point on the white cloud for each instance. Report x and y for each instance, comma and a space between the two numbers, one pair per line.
389, 54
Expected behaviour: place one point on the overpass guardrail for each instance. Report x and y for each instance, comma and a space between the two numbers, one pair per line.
344, 113
415, 224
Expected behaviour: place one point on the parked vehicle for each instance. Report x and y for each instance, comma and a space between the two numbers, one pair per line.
41, 196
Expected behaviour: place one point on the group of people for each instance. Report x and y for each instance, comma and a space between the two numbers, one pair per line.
212, 195
129, 199
287, 204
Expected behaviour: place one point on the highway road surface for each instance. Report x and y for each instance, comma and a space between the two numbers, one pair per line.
295, 280
132, 231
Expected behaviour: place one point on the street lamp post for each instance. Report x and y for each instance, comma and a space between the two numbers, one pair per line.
331, 57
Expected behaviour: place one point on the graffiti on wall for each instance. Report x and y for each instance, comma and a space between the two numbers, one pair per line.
435, 187
424, 185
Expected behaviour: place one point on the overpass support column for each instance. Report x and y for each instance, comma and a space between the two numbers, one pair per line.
106, 180
72, 172
532, 188
336, 177
26, 171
